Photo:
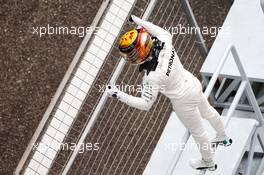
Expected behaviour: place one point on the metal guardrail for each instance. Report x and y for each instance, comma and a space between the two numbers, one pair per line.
244, 86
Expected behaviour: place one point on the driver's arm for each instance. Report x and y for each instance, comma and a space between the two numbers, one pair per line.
152, 28
148, 96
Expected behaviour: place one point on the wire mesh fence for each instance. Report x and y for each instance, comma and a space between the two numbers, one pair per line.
127, 136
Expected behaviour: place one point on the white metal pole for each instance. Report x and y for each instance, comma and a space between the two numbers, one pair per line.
251, 152
217, 72
260, 170
249, 91
235, 102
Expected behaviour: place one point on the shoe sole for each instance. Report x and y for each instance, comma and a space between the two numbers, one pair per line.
215, 144
213, 168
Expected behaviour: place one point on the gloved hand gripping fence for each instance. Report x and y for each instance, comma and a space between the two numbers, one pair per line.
113, 91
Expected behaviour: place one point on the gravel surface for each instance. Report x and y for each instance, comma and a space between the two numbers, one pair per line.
32, 66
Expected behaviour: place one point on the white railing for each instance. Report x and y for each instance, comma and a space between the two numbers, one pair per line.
262, 5
244, 87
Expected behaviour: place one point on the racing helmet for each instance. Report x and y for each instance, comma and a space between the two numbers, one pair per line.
135, 46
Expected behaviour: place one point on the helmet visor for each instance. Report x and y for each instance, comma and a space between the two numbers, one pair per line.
133, 56
138, 51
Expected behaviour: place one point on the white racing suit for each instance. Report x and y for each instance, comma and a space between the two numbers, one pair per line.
182, 88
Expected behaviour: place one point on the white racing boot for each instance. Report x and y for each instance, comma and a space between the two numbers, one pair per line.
221, 140
200, 164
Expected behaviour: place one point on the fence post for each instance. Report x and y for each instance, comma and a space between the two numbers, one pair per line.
199, 37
